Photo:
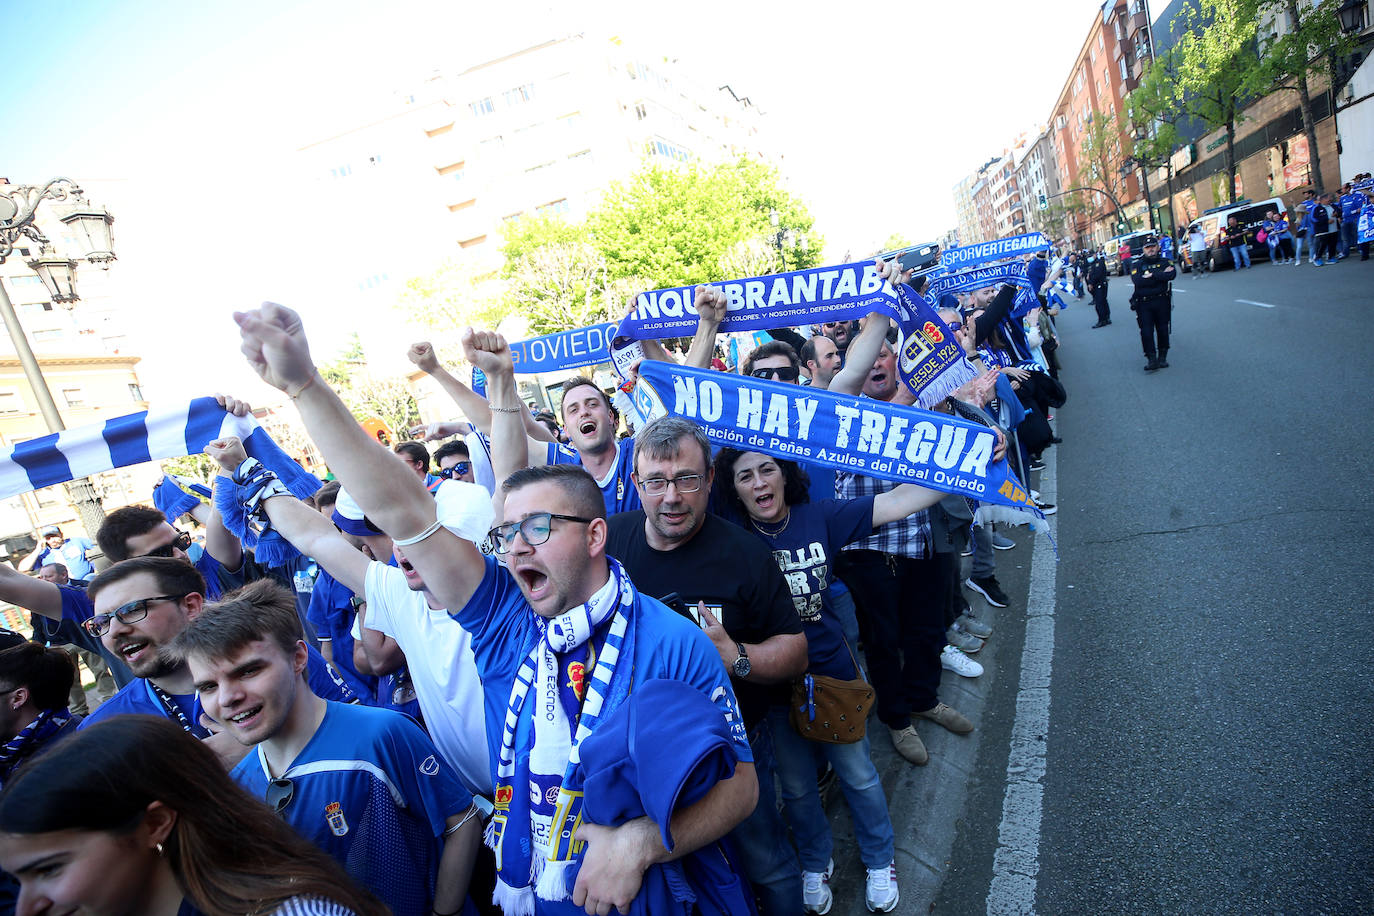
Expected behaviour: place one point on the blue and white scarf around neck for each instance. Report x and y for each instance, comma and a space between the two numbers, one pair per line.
537, 853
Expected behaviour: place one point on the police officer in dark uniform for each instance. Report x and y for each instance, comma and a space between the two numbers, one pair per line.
1097, 285
1153, 302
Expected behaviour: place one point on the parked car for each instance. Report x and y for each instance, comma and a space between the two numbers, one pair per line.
1251, 215
1132, 241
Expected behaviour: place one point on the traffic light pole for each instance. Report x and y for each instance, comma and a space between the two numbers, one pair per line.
1120, 216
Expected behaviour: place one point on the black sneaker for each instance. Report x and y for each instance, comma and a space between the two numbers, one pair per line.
1036, 465
989, 589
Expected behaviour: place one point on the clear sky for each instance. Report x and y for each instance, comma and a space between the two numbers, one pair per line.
179, 116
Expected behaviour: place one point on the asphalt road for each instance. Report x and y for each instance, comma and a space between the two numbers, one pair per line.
1209, 746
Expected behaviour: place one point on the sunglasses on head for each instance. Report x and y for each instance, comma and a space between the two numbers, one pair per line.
786, 373
181, 542
458, 470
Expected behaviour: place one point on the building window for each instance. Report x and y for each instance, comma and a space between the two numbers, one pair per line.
46, 334
542, 165
482, 107
374, 160
553, 208
342, 171
35, 308
580, 154
11, 402
1121, 65
669, 151
48, 497
519, 95
26, 279
135, 391
73, 397
510, 216
641, 112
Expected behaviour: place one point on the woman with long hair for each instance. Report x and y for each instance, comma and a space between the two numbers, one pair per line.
771, 496
134, 817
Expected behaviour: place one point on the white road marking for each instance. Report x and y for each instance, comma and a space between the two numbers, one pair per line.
1263, 305
1016, 863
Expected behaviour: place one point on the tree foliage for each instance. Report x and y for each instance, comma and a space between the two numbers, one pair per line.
367, 394
1101, 159
676, 227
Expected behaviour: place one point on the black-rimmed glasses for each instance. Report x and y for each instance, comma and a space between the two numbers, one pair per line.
535, 529
279, 792
132, 612
181, 542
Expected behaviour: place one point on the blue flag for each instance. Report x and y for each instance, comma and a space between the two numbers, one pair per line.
564, 350
995, 250
861, 435
839, 292
1013, 273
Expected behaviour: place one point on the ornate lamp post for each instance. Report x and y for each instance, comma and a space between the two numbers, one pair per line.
791, 237
91, 226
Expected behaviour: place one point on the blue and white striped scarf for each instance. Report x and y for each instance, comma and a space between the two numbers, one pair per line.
120, 442
528, 865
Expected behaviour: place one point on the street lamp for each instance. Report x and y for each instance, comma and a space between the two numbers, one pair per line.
792, 237
90, 226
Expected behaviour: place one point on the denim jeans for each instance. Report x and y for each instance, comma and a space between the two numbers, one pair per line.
1350, 237
767, 857
1240, 253
801, 802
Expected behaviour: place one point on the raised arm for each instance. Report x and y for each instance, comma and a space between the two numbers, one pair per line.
510, 449
901, 501
864, 348
307, 530
472, 404
392, 496
709, 301
40, 597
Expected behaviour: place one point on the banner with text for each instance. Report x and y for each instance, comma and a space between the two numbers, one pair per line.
861, 435
564, 350
800, 297
964, 281
995, 250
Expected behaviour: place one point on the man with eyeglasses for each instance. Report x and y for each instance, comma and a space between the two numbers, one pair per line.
134, 608
366, 785
560, 635
729, 582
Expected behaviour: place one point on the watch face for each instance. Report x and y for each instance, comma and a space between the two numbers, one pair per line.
742, 667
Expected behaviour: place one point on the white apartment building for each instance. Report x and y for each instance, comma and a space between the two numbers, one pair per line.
542, 129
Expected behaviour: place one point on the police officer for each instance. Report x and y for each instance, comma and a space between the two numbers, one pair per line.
1097, 285
1152, 302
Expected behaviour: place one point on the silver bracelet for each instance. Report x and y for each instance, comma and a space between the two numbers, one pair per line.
505, 409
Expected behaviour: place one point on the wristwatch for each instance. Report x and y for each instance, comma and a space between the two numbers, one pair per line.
741, 667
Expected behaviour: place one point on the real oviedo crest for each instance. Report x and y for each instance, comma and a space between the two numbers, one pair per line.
333, 813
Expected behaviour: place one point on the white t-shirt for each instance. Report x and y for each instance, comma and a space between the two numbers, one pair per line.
442, 669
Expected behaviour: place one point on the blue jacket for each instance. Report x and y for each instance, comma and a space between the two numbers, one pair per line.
1351, 205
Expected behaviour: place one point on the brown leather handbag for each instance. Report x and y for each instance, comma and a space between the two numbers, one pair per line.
830, 710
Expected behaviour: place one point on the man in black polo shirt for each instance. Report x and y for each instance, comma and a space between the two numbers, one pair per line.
728, 577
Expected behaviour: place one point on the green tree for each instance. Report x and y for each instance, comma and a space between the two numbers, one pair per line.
1154, 117
367, 394
1101, 161
456, 295
1285, 61
896, 240
1215, 57
676, 227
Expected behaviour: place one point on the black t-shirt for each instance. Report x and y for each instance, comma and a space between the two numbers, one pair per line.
728, 569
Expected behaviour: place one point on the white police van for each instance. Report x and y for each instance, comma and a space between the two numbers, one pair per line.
1249, 214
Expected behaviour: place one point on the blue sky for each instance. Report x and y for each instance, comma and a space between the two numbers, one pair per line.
171, 110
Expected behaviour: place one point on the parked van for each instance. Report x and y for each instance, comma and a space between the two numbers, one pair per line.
1251, 215
1132, 241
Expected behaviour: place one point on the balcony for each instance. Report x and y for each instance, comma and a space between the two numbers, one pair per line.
1137, 23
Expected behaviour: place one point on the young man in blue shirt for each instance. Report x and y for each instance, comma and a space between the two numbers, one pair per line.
71, 552
558, 607
1351, 203
366, 785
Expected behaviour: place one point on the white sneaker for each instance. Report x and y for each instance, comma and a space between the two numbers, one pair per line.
816, 896
951, 659
880, 890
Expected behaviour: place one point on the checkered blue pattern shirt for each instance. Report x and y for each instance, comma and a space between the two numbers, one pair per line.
906, 537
